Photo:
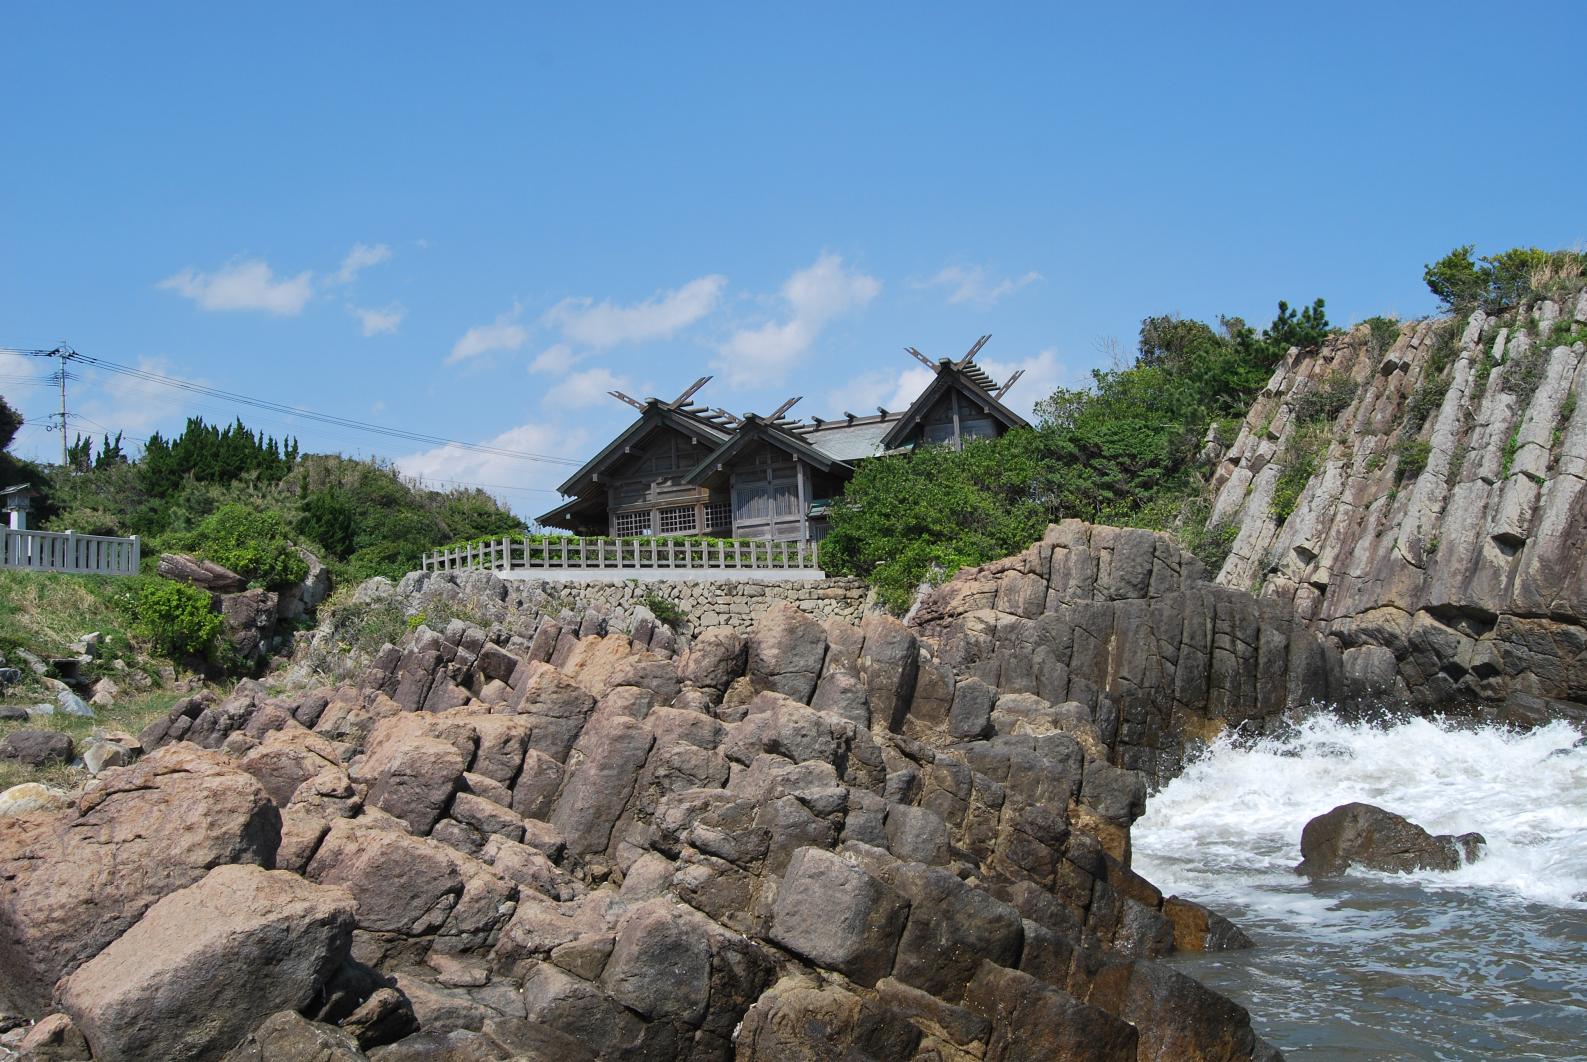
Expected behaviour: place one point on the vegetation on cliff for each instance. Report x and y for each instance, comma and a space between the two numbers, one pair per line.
1122, 451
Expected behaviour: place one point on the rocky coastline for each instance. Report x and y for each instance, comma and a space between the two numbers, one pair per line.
549, 838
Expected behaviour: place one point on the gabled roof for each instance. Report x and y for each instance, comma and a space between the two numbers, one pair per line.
967, 378
851, 440
656, 414
752, 429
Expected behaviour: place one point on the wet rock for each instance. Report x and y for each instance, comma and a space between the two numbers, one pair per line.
1364, 835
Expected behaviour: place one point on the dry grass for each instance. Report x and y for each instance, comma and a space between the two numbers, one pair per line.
130, 714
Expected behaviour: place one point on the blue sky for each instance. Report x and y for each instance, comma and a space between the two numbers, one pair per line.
473, 221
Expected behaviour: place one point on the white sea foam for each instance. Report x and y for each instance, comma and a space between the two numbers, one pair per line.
1230, 825
1486, 961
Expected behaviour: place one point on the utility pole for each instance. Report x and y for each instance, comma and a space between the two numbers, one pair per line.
63, 354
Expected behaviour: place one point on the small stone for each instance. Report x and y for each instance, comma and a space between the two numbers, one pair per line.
28, 797
36, 748
72, 704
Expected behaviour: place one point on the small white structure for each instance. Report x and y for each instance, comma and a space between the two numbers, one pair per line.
60, 551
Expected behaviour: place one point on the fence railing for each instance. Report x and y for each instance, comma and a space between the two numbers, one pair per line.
67, 551
569, 553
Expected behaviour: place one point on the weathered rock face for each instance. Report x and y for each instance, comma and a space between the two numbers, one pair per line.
135, 1000
1118, 628
73, 881
819, 840
1364, 835
1442, 536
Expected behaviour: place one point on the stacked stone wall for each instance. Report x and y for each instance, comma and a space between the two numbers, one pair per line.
735, 603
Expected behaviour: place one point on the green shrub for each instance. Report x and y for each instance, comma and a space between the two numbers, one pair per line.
1425, 401
252, 543
1499, 281
1382, 333
1291, 483
921, 518
1412, 455
178, 619
1325, 399
664, 610
1210, 543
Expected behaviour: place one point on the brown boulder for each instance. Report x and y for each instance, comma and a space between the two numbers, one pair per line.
36, 748
206, 575
786, 650
72, 882
246, 941
1364, 835
287, 1036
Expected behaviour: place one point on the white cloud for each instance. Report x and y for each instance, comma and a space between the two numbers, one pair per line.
814, 297
246, 285
892, 391
376, 322
558, 357
505, 333
1044, 373
971, 284
360, 258
530, 485
582, 390
606, 324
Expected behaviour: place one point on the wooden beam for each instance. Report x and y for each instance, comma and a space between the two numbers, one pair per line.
624, 398
968, 358
785, 407
918, 356
695, 386
1012, 380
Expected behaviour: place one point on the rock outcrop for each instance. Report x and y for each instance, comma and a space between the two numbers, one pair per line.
818, 840
1439, 532
1115, 635
1367, 836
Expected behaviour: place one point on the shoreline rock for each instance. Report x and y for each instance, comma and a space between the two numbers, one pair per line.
1365, 835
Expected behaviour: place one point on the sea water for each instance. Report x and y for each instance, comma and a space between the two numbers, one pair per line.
1487, 961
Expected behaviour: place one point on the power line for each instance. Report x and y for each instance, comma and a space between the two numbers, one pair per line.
296, 411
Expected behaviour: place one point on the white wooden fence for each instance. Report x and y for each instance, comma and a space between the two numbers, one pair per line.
67, 551
570, 553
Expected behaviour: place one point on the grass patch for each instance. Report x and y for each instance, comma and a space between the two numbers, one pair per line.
665, 611
131, 713
45, 612
1412, 455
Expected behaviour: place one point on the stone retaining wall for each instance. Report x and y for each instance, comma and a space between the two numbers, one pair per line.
733, 603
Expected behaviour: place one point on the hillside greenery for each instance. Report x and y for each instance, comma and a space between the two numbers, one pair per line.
231, 495
244, 499
1122, 451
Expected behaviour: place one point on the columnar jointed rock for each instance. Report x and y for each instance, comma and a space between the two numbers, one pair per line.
818, 839
1444, 520
1122, 623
